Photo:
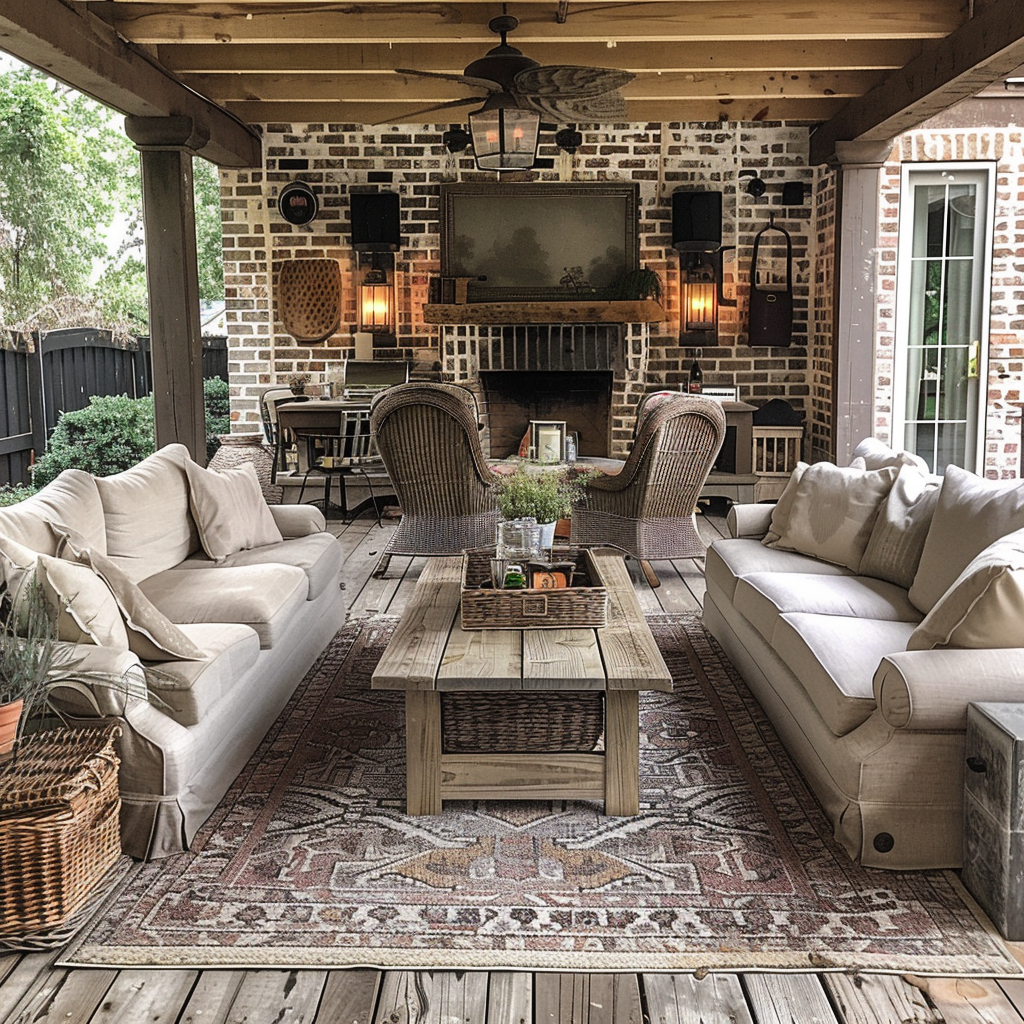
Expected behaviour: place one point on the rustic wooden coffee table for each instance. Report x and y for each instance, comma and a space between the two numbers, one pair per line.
430, 653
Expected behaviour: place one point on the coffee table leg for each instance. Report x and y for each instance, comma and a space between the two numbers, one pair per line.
422, 752
622, 752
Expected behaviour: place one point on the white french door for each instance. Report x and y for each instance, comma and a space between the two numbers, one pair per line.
942, 312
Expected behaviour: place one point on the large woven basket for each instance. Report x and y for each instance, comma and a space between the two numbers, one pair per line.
59, 826
483, 607
309, 298
521, 723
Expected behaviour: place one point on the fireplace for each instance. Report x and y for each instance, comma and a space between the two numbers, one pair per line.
582, 398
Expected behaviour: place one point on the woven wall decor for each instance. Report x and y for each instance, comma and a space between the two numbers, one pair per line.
309, 298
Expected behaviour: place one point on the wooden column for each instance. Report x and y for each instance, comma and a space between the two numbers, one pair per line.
166, 145
855, 308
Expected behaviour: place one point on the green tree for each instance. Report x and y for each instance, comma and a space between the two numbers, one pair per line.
206, 192
63, 177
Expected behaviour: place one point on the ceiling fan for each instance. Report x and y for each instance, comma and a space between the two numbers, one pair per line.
561, 92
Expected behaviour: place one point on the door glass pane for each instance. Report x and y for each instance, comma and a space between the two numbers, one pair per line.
962, 202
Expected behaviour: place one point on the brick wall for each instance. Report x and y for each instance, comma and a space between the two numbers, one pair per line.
413, 162
1006, 327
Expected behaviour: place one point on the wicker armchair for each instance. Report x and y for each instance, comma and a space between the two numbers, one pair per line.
428, 436
647, 509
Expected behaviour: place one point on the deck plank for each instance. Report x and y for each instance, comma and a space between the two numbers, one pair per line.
788, 998
31, 974
685, 999
510, 998
969, 1000
587, 999
350, 997
139, 996
211, 1000
879, 999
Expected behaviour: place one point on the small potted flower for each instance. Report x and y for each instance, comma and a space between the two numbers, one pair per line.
297, 382
545, 494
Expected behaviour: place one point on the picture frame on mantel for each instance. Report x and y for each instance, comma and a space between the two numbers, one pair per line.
539, 241
547, 440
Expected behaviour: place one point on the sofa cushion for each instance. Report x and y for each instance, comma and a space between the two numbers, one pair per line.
897, 540
149, 527
265, 597
835, 658
878, 455
229, 510
761, 597
86, 610
187, 690
832, 512
985, 606
970, 514
71, 498
17, 565
318, 555
731, 559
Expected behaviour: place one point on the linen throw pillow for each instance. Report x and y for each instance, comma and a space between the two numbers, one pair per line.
151, 635
86, 610
897, 540
970, 514
985, 606
832, 512
878, 455
229, 510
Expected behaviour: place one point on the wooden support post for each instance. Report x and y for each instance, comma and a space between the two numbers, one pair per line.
622, 752
422, 752
166, 145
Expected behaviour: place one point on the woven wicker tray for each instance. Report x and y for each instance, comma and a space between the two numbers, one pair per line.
483, 607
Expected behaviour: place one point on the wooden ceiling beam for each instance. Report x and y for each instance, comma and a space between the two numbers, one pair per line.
276, 87
368, 58
368, 112
76, 48
987, 48
696, 21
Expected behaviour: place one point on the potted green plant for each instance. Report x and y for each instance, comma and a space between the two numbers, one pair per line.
545, 494
642, 283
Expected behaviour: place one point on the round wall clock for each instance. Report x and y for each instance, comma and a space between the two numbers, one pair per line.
298, 203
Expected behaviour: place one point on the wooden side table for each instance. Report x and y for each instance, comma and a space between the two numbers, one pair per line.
994, 813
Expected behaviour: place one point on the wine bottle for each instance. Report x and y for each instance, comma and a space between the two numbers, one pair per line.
695, 385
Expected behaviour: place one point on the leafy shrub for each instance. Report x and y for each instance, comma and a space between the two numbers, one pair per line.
109, 435
545, 494
217, 401
11, 494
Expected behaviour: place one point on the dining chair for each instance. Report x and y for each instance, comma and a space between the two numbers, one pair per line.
270, 399
648, 508
348, 451
428, 435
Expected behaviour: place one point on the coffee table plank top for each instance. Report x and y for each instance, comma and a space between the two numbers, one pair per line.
632, 660
431, 651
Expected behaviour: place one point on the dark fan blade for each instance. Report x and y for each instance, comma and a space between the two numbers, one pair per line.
609, 106
473, 83
569, 80
406, 114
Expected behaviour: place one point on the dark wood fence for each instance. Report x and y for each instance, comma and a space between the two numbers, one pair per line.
65, 369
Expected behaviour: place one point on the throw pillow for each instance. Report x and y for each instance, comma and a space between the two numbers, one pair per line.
878, 455
894, 548
151, 635
784, 506
86, 610
17, 565
985, 606
832, 512
970, 514
229, 510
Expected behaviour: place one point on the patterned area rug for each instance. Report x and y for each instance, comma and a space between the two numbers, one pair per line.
310, 860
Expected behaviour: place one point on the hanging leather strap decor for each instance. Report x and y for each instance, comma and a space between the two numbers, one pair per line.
771, 301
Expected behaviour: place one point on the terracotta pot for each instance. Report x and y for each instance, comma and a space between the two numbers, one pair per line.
9, 717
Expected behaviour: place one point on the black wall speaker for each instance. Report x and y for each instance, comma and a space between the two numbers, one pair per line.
375, 221
696, 221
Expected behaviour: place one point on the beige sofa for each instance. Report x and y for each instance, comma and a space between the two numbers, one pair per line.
865, 611
221, 640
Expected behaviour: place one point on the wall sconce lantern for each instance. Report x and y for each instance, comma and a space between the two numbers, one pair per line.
700, 294
377, 297
504, 135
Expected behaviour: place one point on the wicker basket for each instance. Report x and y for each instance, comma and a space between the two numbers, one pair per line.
59, 826
309, 298
483, 607
521, 723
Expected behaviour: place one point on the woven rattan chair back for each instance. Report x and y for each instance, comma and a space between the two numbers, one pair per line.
648, 509
429, 438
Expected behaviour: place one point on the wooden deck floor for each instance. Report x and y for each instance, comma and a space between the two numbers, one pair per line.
34, 992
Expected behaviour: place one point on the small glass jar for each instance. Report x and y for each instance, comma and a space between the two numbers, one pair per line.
518, 540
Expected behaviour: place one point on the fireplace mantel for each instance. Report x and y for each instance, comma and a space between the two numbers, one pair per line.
581, 312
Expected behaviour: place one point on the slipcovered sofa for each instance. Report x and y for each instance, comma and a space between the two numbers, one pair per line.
184, 584
865, 611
